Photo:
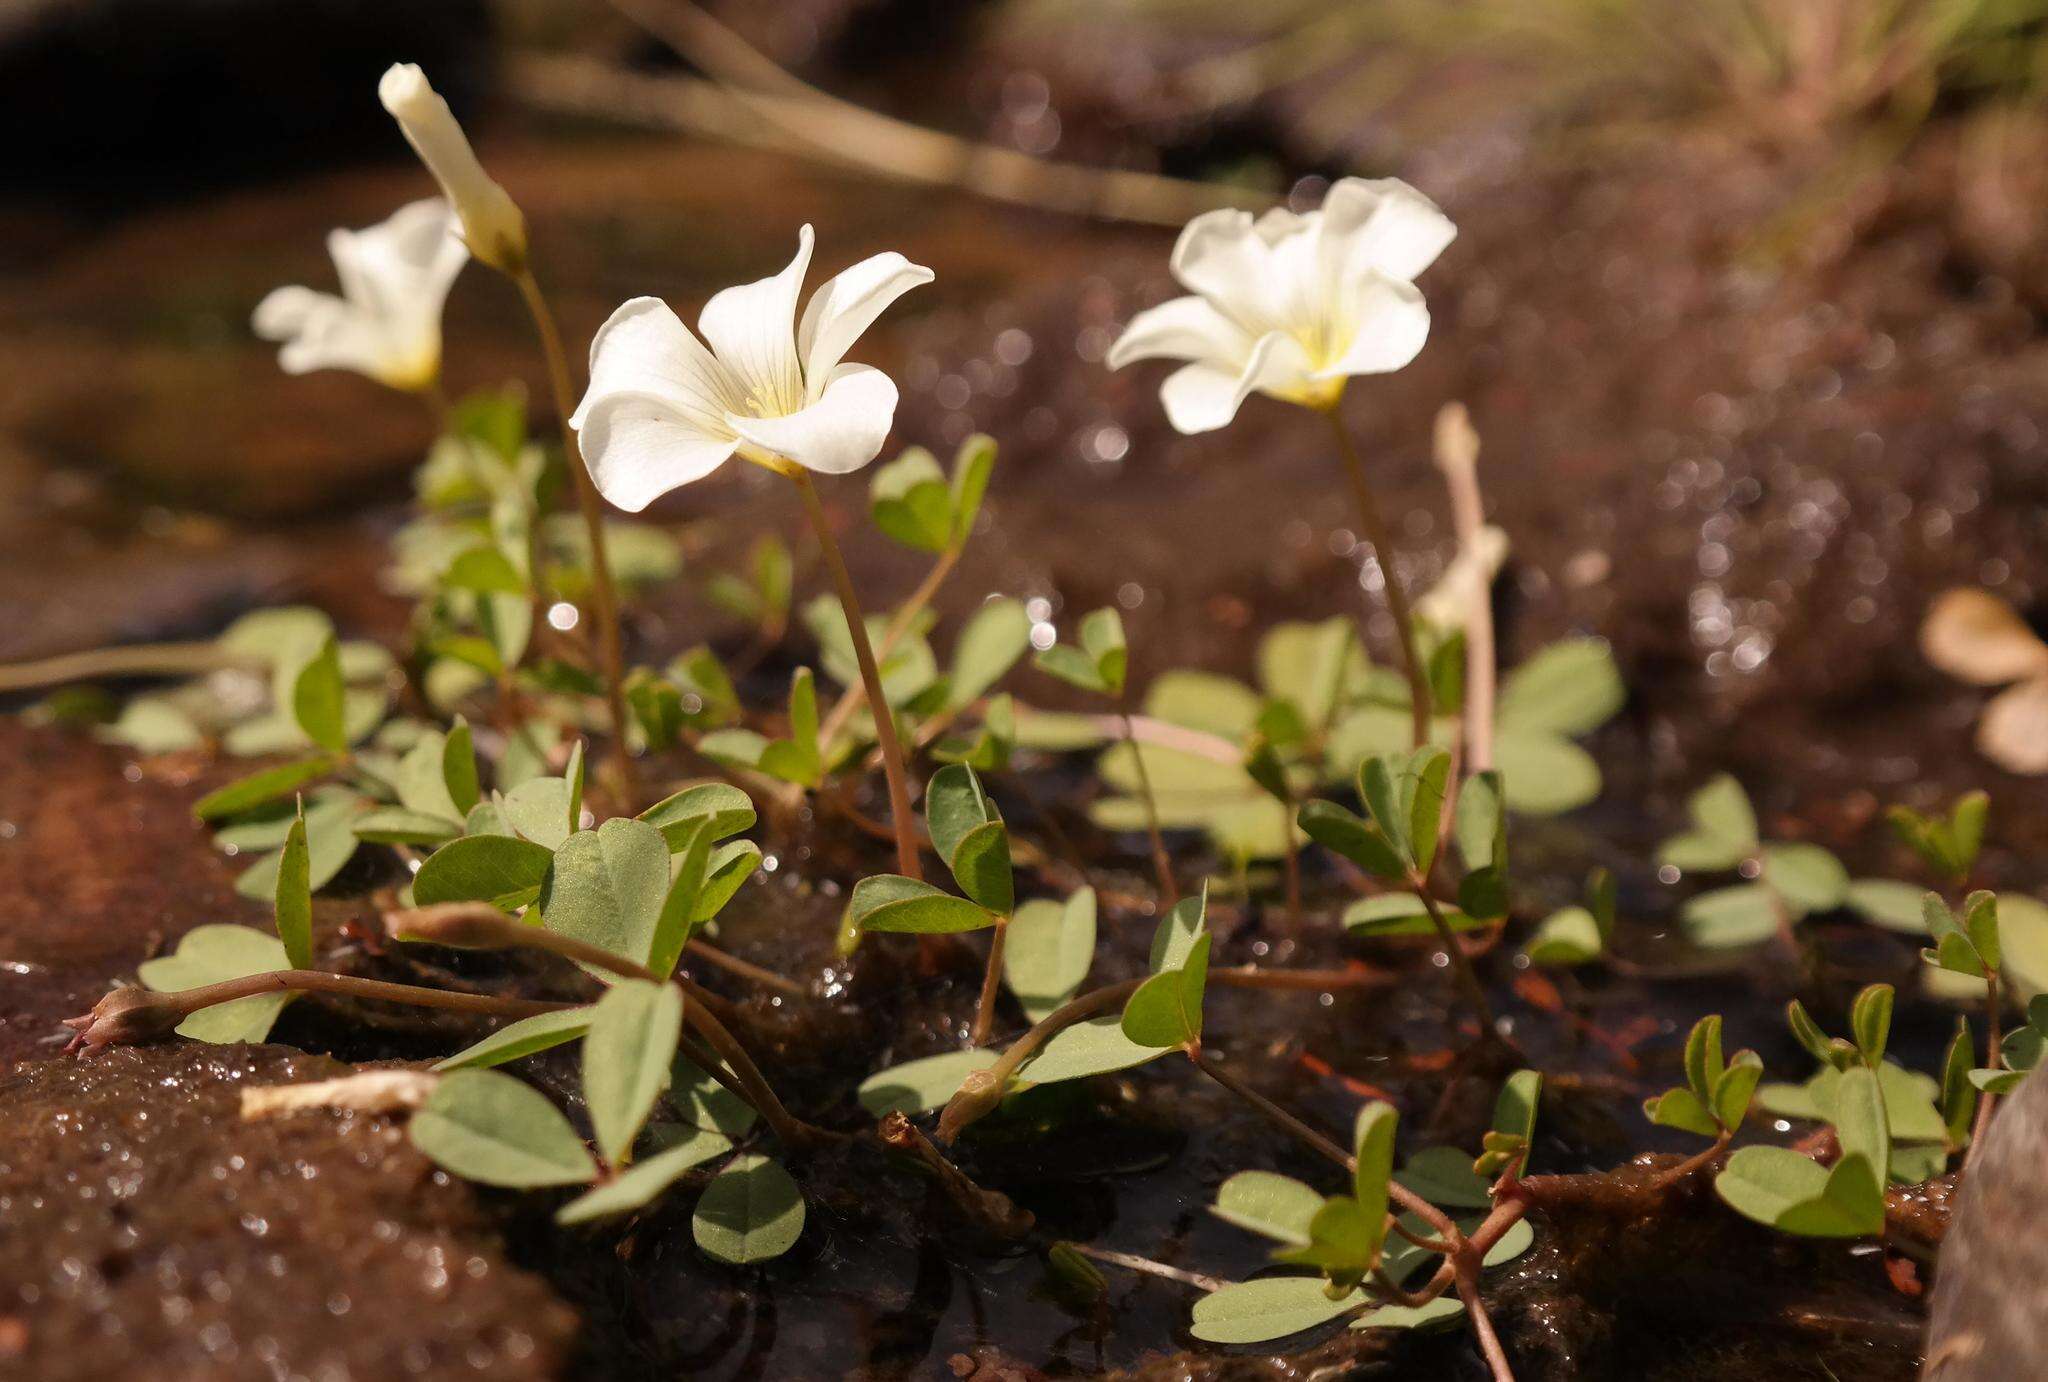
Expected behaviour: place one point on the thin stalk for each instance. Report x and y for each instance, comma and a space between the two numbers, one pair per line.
1695, 1162
870, 675
1134, 1263
1290, 864
1169, 894
1323, 1146
991, 984
1461, 963
855, 696
603, 595
1457, 455
733, 964
348, 986
130, 660
1467, 1274
1982, 1122
1377, 533
787, 1127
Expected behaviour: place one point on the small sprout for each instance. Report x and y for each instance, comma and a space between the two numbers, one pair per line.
1958, 1094
1723, 832
1870, 1018
1715, 1098
1794, 1194
1948, 847
969, 834
1506, 1145
1575, 935
912, 502
1099, 663
798, 758
1970, 947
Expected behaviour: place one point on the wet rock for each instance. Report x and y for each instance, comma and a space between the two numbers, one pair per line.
150, 1232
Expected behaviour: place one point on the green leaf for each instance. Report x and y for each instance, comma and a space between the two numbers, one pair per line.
526, 1037
458, 768
317, 699
540, 810
1870, 1020
1373, 1149
1253, 1312
1380, 784
992, 641
491, 1128
641, 1183
698, 1096
1703, 1057
1681, 1108
1958, 1095
1102, 638
1084, 1049
1423, 784
1568, 688
1264, 1202
1723, 832
394, 825
1441, 1310
969, 835
1735, 1088
1479, 824
1543, 775
293, 908
1514, 1109
1048, 951
751, 1212
891, 902
1966, 830
1860, 1121
1807, 1032
727, 808
1569, 936
1731, 918
633, 1034
1443, 1176
1780, 1188
1167, 1008
680, 907
330, 843
258, 789
1401, 914
607, 886
910, 502
919, 1086
1807, 877
209, 955
730, 865
1980, 924
502, 870
1894, 906
1342, 832
973, 464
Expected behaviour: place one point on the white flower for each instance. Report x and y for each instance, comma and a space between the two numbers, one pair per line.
663, 410
1291, 305
491, 221
387, 322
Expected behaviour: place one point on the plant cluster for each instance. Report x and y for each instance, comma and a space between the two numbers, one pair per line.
464, 756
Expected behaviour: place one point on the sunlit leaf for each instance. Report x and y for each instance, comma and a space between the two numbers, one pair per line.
210, 955
489, 1127
639, 1184
626, 1055
752, 1211
607, 886
502, 870
1048, 951
918, 1086
525, 1037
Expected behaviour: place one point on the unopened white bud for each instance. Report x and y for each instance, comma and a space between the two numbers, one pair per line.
491, 221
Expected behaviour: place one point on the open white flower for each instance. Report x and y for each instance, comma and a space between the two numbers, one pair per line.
387, 322
491, 220
1291, 305
663, 410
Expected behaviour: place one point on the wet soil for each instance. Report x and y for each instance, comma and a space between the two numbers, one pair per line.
1747, 475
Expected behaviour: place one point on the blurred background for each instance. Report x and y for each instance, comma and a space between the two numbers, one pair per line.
1747, 303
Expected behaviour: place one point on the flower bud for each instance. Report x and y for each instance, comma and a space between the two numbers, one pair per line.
491, 221
470, 925
128, 1016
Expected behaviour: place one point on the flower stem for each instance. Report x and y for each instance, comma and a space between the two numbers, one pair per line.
1468, 978
1982, 1123
853, 697
1134, 1263
1457, 455
126, 660
734, 965
870, 675
1161, 864
991, 985
604, 596
1377, 534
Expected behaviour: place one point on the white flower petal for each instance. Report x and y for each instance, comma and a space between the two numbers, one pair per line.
1974, 635
644, 347
1381, 225
1203, 397
1386, 322
846, 305
639, 447
319, 331
841, 432
284, 312
1221, 256
2014, 731
1277, 223
752, 328
1185, 328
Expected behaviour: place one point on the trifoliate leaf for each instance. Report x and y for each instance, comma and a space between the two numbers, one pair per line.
489, 1127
